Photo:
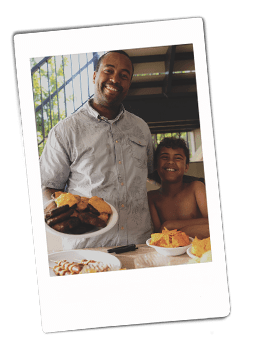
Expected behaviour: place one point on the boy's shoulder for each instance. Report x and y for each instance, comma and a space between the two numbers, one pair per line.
194, 182
153, 194
195, 185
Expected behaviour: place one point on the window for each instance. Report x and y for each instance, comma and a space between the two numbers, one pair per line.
61, 85
191, 138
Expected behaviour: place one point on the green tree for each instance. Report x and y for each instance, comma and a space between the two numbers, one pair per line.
157, 138
46, 80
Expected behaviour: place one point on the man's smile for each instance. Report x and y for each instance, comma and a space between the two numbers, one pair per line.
112, 88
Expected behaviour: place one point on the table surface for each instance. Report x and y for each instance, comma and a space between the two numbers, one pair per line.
144, 256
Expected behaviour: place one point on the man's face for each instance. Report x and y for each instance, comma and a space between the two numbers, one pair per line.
113, 79
171, 164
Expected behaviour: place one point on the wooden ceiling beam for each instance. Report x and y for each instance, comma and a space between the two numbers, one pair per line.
169, 65
160, 57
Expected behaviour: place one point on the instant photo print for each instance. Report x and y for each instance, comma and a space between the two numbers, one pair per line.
169, 275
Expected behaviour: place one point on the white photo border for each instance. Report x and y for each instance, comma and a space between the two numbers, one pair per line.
172, 293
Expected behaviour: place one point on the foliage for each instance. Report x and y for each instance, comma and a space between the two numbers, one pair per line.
45, 81
157, 138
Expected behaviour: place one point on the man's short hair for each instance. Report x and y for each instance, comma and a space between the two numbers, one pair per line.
173, 142
113, 51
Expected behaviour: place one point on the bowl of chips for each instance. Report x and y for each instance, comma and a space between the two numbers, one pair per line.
170, 242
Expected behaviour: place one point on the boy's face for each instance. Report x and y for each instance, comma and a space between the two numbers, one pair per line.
171, 164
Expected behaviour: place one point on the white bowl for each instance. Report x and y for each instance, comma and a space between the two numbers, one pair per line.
113, 218
189, 252
169, 251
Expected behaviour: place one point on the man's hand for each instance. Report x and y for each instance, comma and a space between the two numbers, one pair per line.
47, 192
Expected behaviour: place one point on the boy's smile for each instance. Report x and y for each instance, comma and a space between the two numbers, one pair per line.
171, 164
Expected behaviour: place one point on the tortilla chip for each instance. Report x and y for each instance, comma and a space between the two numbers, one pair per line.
170, 238
199, 247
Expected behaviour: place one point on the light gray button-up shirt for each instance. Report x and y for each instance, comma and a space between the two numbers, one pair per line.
93, 156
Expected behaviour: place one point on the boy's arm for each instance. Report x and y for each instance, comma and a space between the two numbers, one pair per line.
195, 227
201, 231
153, 212
180, 223
200, 195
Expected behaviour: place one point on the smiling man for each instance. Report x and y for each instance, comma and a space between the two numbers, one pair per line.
103, 150
112, 80
177, 205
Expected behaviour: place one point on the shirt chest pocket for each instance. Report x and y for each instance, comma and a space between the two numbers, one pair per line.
138, 151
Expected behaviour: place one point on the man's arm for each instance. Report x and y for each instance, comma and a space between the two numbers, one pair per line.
54, 164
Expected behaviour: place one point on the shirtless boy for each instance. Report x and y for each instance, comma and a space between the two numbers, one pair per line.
177, 205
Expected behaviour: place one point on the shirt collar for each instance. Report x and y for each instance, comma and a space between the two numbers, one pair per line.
96, 115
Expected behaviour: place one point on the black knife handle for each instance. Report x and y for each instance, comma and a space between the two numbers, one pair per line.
121, 249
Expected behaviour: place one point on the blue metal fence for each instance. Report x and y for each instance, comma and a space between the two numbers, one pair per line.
61, 85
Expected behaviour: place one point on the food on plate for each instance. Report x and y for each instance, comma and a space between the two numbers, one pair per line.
56, 211
170, 239
63, 267
61, 217
90, 266
100, 205
56, 194
74, 214
66, 199
67, 225
199, 247
206, 257
93, 210
78, 198
81, 228
90, 218
104, 216
82, 205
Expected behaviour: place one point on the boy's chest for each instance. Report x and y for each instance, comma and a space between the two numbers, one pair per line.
180, 207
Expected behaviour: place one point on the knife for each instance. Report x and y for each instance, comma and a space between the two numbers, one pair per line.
121, 249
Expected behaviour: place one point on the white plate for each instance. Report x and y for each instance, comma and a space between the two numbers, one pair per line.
190, 253
93, 233
78, 255
169, 251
